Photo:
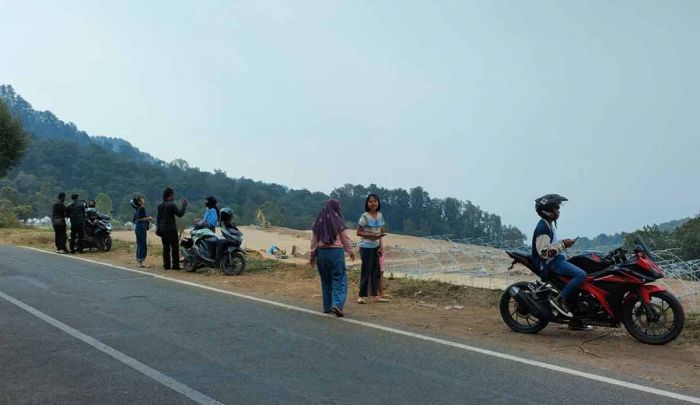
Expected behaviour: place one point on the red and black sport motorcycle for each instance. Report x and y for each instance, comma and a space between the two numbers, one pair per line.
616, 291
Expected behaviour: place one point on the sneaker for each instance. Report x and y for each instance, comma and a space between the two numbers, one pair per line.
337, 311
360, 300
579, 326
559, 303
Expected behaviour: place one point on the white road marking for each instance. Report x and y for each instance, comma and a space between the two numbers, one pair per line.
522, 360
169, 382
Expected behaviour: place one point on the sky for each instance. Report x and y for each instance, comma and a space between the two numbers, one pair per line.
496, 102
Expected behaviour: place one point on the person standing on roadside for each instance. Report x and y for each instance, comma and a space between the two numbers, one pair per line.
76, 212
329, 243
58, 219
166, 228
370, 229
141, 224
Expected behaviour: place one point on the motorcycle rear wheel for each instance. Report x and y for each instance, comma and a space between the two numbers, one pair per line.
232, 264
665, 329
517, 319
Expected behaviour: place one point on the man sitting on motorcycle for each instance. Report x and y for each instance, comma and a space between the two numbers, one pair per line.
547, 251
92, 216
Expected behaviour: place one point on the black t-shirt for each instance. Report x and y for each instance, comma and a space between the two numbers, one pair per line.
167, 210
76, 212
59, 213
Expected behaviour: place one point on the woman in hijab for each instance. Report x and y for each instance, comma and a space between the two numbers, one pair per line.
329, 243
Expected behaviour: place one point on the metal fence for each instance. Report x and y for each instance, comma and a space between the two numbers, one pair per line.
478, 262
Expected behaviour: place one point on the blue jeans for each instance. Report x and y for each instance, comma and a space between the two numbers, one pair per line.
334, 279
141, 246
561, 267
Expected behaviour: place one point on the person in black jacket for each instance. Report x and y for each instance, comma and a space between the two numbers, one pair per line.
166, 228
58, 219
76, 213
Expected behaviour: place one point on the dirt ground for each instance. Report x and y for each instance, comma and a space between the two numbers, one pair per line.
430, 259
435, 309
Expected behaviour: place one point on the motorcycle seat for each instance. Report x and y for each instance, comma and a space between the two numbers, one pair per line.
210, 242
523, 257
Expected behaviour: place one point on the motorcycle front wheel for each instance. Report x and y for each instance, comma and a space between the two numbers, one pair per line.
232, 264
660, 329
517, 318
187, 263
106, 243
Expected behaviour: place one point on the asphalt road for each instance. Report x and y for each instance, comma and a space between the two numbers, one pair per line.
231, 350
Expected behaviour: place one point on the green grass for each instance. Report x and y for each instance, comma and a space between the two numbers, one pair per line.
691, 331
436, 291
258, 265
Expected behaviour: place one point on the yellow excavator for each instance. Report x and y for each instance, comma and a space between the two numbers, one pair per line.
262, 221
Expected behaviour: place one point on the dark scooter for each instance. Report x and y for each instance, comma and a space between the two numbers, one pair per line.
203, 249
98, 229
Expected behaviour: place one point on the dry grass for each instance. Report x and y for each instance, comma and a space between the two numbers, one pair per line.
27, 237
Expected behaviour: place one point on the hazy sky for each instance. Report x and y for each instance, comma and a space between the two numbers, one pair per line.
497, 102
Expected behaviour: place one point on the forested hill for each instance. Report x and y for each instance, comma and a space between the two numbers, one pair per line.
62, 158
45, 125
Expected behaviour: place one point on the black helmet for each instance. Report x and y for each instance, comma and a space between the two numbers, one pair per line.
211, 202
134, 203
545, 204
226, 214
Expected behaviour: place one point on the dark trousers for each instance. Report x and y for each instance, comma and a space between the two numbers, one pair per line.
77, 232
170, 249
370, 274
141, 244
60, 237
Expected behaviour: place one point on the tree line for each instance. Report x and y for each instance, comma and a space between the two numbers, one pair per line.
53, 165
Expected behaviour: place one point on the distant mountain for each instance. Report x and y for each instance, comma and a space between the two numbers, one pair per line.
671, 226
671, 234
62, 158
45, 125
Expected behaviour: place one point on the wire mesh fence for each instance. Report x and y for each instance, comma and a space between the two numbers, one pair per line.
479, 262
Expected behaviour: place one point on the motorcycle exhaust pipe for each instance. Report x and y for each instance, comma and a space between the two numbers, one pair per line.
530, 305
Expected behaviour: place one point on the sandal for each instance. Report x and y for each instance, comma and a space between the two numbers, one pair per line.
337, 311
